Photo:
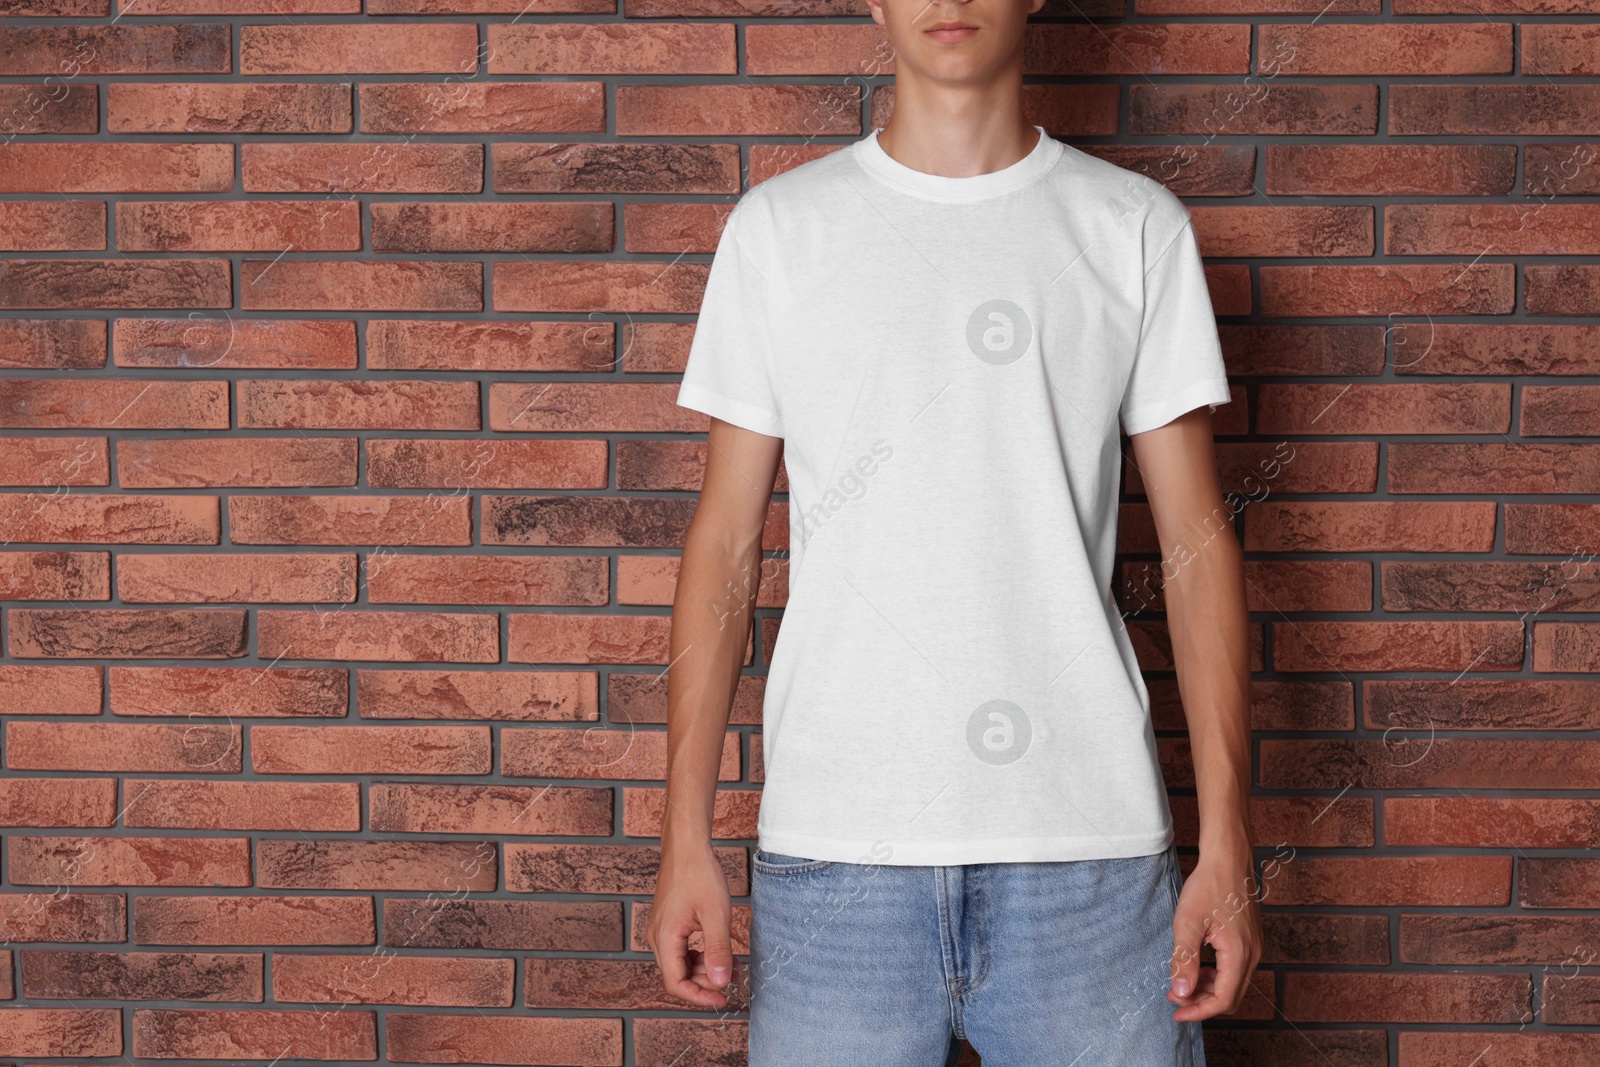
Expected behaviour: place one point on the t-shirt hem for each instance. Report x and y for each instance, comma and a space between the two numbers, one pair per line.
1213, 391
949, 853
726, 408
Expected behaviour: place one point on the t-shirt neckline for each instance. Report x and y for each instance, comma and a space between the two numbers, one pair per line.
1044, 155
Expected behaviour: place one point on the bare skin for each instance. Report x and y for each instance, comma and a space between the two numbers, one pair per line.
958, 112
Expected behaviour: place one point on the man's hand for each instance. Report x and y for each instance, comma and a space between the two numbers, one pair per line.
1218, 906
692, 894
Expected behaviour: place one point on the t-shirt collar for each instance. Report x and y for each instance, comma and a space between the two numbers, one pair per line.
880, 164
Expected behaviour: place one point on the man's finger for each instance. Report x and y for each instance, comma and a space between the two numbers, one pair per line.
718, 952
1231, 975
1186, 938
673, 959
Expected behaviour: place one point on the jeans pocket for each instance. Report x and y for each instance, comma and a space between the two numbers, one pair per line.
779, 864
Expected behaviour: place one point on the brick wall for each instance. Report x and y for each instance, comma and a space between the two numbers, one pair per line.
346, 485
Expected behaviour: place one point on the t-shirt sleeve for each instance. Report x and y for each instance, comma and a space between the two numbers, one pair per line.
1178, 365
729, 374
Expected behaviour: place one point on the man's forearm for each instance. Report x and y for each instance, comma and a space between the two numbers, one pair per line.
1209, 626
711, 621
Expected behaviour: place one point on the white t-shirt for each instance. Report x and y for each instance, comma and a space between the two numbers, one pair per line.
946, 360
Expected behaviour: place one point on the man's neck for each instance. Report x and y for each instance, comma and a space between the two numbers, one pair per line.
957, 138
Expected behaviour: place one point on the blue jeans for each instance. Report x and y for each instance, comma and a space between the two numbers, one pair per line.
872, 965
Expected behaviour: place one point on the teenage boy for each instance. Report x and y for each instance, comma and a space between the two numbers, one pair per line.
964, 831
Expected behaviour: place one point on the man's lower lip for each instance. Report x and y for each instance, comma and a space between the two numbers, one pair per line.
959, 34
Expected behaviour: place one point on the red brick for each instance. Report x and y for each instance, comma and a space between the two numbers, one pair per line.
533, 752
55, 575
1391, 170
107, 283
738, 110
1316, 110
389, 48
616, 985
115, 168
255, 1034
444, 866
238, 461
1560, 411
580, 868
1490, 586
389, 521
597, 167
1507, 229
1552, 528
246, 692
512, 695
1493, 467
127, 404
557, 926
142, 975
546, 285
1412, 50
257, 578
733, 813
484, 107
240, 7
328, 285
69, 917
58, 802
243, 226
52, 226
234, 342
1559, 646
357, 405
589, 407
405, 463
1384, 409
54, 461
185, 748
634, 522
203, 805
1389, 289
1472, 938
1558, 882
1423, 761
588, 638
1483, 703
1405, 998
1489, 822
1499, 109
416, 579
613, 48
410, 636
57, 344
1378, 526
48, 107
658, 1042
570, 226
74, 633
148, 107
400, 344
1398, 646
434, 981
371, 749
115, 49
484, 1038
494, 810
1389, 881
26, 689
62, 1032
109, 519
253, 920
132, 861
375, 167
1511, 1049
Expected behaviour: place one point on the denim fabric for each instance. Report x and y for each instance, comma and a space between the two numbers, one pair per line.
873, 965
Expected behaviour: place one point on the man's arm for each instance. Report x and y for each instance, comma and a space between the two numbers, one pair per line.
1203, 583
711, 615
